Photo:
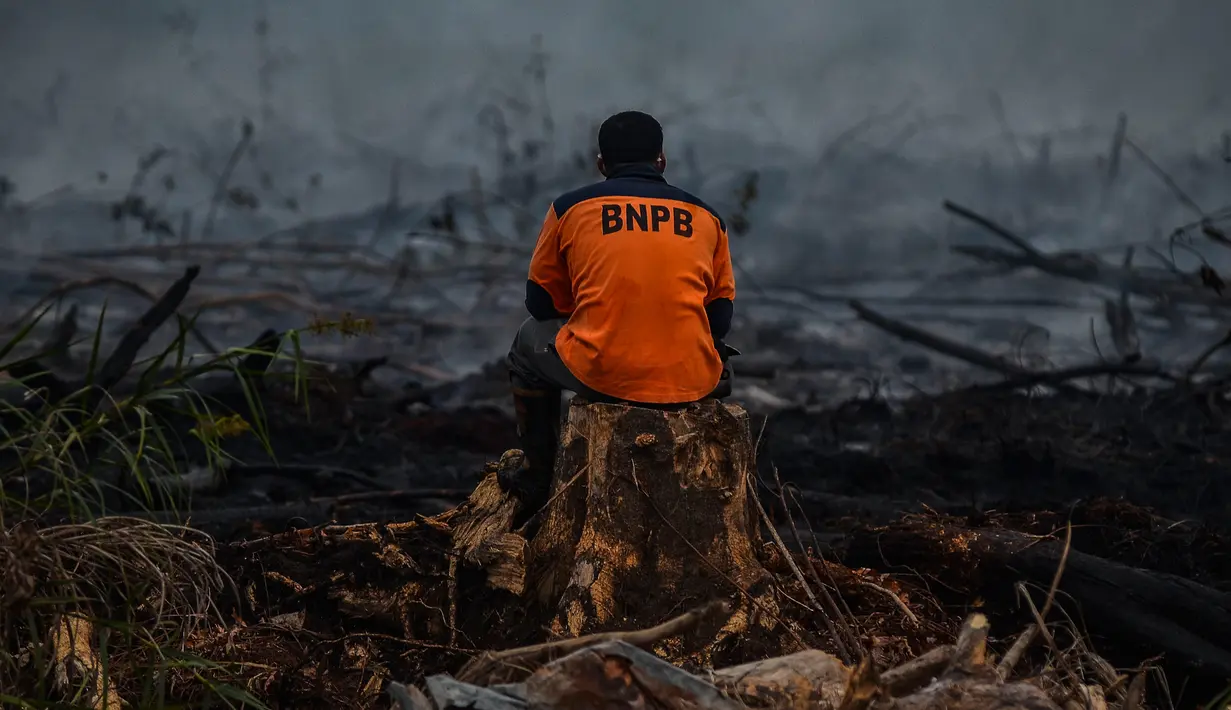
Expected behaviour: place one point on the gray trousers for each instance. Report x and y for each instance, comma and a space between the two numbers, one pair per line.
535, 364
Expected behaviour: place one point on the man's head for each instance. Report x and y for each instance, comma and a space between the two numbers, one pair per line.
630, 138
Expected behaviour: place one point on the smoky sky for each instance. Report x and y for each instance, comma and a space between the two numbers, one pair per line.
88, 84
355, 89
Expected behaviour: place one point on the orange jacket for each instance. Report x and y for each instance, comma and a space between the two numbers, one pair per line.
633, 262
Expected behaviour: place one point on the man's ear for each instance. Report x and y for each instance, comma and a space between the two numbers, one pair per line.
602, 167
660, 163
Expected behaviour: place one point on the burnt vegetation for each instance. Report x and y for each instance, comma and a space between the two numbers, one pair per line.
242, 470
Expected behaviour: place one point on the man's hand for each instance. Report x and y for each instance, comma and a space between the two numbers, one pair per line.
724, 351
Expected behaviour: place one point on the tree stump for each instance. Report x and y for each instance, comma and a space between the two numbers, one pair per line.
650, 514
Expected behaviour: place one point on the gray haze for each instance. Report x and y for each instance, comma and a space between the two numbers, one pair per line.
774, 86
411, 76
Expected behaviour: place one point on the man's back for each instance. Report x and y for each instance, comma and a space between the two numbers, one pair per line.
632, 262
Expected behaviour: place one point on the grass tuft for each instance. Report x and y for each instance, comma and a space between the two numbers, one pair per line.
99, 610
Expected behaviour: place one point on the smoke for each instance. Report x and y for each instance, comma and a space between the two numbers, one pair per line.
94, 81
860, 116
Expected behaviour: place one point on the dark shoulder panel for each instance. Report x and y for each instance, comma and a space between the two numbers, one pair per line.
630, 187
568, 200
689, 198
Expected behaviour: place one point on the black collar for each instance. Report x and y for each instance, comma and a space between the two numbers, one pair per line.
640, 171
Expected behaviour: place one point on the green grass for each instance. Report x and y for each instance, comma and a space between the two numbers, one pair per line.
139, 589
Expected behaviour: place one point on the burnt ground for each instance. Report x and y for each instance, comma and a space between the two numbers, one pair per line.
353, 452
361, 452
1121, 469
1140, 478
972, 451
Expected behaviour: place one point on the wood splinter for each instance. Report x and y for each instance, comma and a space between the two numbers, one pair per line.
78, 671
971, 648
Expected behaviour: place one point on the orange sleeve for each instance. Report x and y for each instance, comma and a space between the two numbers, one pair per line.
724, 277
547, 265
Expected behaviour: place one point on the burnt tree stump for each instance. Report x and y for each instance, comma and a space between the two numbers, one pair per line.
650, 514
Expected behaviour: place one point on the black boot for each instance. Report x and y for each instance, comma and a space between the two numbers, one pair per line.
538, 428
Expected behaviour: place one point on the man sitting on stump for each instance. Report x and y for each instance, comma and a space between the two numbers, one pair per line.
630, 296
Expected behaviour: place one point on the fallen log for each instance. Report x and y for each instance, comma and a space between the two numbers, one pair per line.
1183, 289
66, 288
935, 342
1153, 612
95, 384
615, 675
794, 681
649, 512
1018, 376
311, 512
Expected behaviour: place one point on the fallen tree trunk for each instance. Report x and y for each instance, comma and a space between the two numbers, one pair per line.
650, 513
1019, 376
1154, 611
616, 675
